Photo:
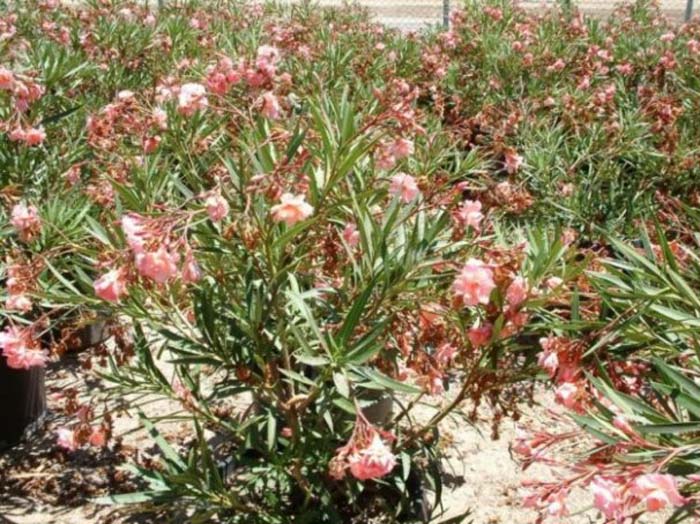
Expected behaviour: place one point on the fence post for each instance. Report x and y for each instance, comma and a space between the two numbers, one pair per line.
689, 10
446, 13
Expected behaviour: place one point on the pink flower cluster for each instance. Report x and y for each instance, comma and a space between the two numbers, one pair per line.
32, 136
222, 76
291, 209
21, 349
474, 283
25, 219
404, 187
617, 497
111, 286
155, 257
469, 214
258, 73
191, 98
19, 281
561, 359
351, 235
388, 154
83, 432
24, 90
366, 454
374, 461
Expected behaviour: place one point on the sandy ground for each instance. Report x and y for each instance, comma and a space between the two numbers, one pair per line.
39, 484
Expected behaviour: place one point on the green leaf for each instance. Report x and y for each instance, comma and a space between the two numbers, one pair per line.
681, 380
342, 384
355, 314
669, 428
386, 382
138, 497
168, 452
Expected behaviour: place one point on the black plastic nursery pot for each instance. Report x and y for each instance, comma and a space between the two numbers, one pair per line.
89, 335
22, 402
77, 337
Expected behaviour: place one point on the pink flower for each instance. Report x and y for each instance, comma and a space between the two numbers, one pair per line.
150, 144
217, 83
607, 497
25, 219
160, 118
19, 302
190, 269
159, 265
270, 106
404, 187
445, 353
291, 209
20, 349
384, 158
97, 437
402, 148
556, 505
351, 235
34, 136
126, 96
657, 491
559, 65
134, 231
182, 392
111, 286
217, 206
66, 439
480, 335
549, 361
494, 12
268, 54
17, 134
474, 283
553, 282
192, 97
72, 176
11, 338
7, 79
621, 423
625, 69
523, 443
25, 357
265, 66
517, 292
567, 395
513, 161
470, 214
374, 461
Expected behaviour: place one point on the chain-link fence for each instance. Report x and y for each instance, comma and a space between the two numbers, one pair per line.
414, 14
406, 14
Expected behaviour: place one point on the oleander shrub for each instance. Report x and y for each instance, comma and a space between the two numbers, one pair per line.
319, 237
